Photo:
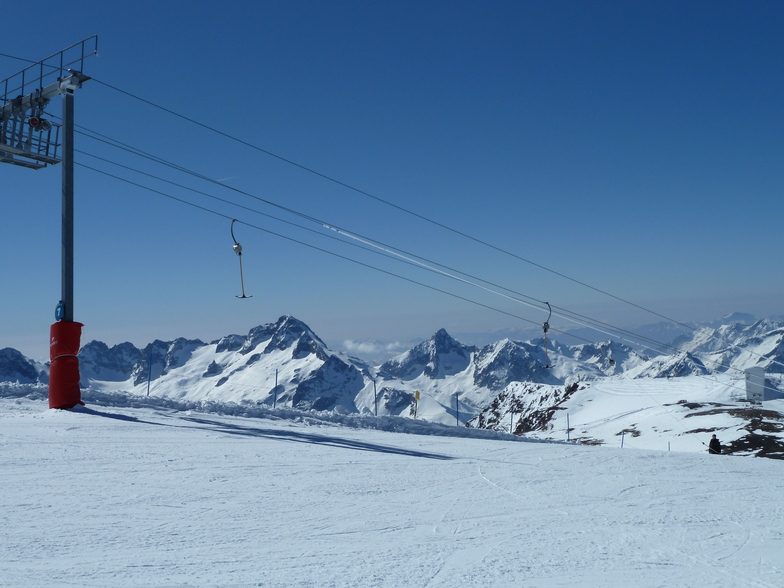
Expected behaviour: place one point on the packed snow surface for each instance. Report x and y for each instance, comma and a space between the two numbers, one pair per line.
149, 496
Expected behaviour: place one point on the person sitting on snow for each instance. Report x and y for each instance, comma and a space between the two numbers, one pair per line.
714, 446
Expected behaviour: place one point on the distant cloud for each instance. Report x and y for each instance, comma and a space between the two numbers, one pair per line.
374, 349
362, 346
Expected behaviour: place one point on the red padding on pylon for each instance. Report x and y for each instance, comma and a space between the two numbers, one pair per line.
64, 389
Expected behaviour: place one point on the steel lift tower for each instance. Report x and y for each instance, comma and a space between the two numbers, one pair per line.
29, 139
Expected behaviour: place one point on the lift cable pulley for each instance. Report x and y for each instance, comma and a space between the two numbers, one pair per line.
238, 250
545, 328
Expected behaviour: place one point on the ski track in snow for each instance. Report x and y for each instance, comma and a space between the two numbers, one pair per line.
120, 496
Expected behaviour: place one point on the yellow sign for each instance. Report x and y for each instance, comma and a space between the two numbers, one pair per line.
416, 395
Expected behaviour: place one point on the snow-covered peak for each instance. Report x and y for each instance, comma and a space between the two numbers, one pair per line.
98, 361
738, 345
671, 366
229, 343
293, 333
608, 356
287, 332
438, 357
15, 367
736, 317
507, 361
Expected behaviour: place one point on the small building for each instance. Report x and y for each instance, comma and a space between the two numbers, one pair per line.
755, 384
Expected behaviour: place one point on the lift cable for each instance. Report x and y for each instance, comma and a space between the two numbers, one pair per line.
23, 59
311, 246
582, 320
394, 255
393, 205
345, 258
657, 346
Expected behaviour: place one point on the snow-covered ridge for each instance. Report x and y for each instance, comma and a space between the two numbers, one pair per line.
678, 413
94, 398
15, 367
737, 346
285, 364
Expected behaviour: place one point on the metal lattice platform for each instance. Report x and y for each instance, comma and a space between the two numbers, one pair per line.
27, 137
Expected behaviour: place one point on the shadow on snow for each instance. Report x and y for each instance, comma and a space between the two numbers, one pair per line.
293, 436
314, 438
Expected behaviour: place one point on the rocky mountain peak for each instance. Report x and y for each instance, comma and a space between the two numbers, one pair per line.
15, 367
290, 332
674, 366
436, 358
98, 361
506, 361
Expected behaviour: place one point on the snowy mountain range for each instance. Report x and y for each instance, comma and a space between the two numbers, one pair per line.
286, 364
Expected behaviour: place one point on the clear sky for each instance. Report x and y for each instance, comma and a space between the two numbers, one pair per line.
634, 146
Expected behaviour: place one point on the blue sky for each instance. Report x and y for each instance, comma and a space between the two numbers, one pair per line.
633, 146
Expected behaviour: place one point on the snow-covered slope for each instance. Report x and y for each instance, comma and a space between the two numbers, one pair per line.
286, 364
665, 414
119, 496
